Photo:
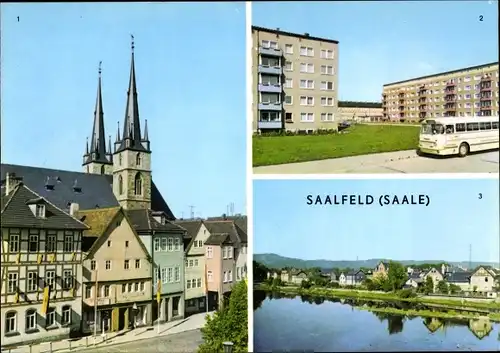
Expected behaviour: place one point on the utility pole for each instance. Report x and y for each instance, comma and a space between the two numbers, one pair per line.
470, 257
191, 208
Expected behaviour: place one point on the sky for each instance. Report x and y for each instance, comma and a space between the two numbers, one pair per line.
387, 41
190, 69
456, 217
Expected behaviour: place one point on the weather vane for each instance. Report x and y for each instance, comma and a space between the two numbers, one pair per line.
100, 63
132, 38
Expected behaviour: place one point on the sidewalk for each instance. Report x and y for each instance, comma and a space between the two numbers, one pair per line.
193, 322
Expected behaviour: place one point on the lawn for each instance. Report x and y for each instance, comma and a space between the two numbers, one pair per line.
361, 139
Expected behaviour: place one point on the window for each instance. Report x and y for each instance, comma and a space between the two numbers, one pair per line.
307, 68
157, 244
164, 275
137, 263
88, 291
269, 44
108, 264
327, 70
142, 287
230, 252
288, 100
138, 184
230, 276
198, 282
126, 264
136, 287
210, 276
288, 49
12, 283
188, 284
209, 252
30, 319
224, 252
472, 126
13, 243
288, 83
120, 180
170, 244
92, 265
126, 243
485, 126
67, 279
50, 277
190, 263
33, 243
169, 275
109, 243
326, 54
270, 116
177, 244
163, 244
40, 211
327, 101
306, 51
306, 100
196, 262
50, 243
225, 277
307, 117
288, 117
129, 285
327, 85
105, 292
32, 281
66, 315
307, 84
326, 116
68, 243
177, 274
11, 322
288, 66
494, 125
138, 159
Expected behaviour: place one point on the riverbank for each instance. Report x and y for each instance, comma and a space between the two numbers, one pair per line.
367, 295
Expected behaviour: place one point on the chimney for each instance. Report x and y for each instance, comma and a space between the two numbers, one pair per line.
11, 181
73, 209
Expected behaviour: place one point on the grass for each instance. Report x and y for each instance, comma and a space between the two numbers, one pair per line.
342, 293
361, 139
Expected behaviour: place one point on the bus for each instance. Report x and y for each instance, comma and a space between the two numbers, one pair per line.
458, 135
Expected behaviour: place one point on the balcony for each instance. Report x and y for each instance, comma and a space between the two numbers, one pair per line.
450, 84
485, 107
485, 88
272, 70
270, 52
277, 106
450, 97
270, 125
270, 88
448, 91
485, 98
422, 107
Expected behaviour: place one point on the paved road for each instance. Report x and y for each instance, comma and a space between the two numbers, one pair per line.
187, 341
391, 162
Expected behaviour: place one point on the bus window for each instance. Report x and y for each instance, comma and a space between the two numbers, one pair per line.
449, 129
460, 127
494, 125
472, 126
487, 126
484, 126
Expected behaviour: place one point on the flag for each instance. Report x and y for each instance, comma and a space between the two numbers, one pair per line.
46, 295
158, 286
206, 280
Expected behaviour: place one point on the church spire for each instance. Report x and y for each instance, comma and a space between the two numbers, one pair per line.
132, 126
97, 151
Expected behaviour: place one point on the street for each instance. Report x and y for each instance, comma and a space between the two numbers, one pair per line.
187, 341
391, 162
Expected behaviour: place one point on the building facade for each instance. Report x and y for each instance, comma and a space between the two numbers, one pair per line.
471, 91
41, 293
295, 80
360, 111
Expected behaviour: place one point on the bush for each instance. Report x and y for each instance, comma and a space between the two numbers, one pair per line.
228, 324
305, 284
333, 285
406, 293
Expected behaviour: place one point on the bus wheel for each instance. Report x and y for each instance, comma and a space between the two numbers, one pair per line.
463, 150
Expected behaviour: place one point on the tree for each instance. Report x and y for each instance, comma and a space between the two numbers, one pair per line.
305, 284
428, 285
442, 287
454, 288
396, 275
228, 324
259, 272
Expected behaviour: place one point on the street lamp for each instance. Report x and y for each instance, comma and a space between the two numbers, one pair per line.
228, 347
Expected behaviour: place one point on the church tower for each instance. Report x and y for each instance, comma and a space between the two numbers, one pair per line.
132, 155
98, 160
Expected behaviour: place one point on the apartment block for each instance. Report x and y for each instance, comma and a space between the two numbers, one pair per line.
359, 111
295, 81
471, 91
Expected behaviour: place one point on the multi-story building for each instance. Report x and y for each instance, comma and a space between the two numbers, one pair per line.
116, 272
471, 91
195, 286
41, 295
295, 80
359, 111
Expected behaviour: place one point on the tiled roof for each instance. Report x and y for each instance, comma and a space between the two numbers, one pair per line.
191, 226
16, 212
240, 220
228, 228
98, 219
217, 239
143, 221
458, 277
93, 190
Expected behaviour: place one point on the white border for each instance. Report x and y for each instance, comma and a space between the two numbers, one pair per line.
387, 176
249, 171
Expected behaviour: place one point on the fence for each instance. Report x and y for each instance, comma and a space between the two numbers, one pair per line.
65, 345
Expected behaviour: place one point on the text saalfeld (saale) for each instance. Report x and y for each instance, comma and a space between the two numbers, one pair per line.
353, 199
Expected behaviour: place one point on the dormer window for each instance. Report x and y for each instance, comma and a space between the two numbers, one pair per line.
40, 211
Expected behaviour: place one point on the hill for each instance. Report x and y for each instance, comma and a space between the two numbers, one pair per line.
277, 261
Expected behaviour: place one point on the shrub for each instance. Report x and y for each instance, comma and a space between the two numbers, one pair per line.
305, 284
406, 293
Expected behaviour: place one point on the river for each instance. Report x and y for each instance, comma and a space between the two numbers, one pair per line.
314, 324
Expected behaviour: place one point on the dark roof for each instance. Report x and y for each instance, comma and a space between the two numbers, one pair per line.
353, 104
458, 277
217, 239
291, 34
96, 190
191, 226
144, 222
240, 220
443, 73
230, 231
354, 272
16, 212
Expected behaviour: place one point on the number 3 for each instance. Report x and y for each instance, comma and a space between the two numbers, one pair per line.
480, 196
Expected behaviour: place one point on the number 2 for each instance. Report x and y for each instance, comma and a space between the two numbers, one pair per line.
480, 18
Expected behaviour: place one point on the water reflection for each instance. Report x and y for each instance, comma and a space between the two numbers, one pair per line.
480, 327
